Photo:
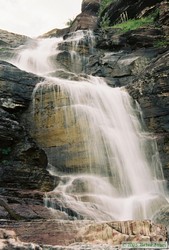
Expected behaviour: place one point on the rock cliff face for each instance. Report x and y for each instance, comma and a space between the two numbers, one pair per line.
138, 59
22, 163
55, 130
119, 11
151, 90
21, 159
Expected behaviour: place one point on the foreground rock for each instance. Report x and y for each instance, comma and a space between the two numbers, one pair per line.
84, 232
162, 216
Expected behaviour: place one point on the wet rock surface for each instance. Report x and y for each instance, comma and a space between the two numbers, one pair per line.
23, 163
120, 67
151, 90
162, 216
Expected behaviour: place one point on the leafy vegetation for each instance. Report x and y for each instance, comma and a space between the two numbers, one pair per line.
5, 151
104, 4
125, 24
105, 22
133, 24
161, 43
69, 22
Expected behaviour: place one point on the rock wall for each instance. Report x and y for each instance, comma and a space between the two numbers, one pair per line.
134, 60
121, 58
23, 164
122, 10
151, 90
59, 130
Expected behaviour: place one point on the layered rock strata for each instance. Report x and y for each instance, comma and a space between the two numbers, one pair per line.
75, 234
151, 90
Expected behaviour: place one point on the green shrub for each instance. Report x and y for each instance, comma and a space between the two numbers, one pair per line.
133, 24
6, 151
105, 22
161, 43
69, 22
104, 4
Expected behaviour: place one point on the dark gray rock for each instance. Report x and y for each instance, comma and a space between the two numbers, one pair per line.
151, 90
120, 68
91, 6
114, 40
23, 163
121, 10
16, 86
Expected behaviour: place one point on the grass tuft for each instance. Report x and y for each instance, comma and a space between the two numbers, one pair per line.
133, 24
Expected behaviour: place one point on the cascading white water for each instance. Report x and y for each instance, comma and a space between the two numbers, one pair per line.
123, 177
36, 56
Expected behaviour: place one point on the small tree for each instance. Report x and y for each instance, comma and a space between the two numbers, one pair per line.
69, 22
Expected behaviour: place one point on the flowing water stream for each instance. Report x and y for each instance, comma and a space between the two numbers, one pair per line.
95, 139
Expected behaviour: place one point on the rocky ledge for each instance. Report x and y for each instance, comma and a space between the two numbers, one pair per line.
78, 234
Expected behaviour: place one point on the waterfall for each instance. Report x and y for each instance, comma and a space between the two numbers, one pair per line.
36, 56
95, 140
